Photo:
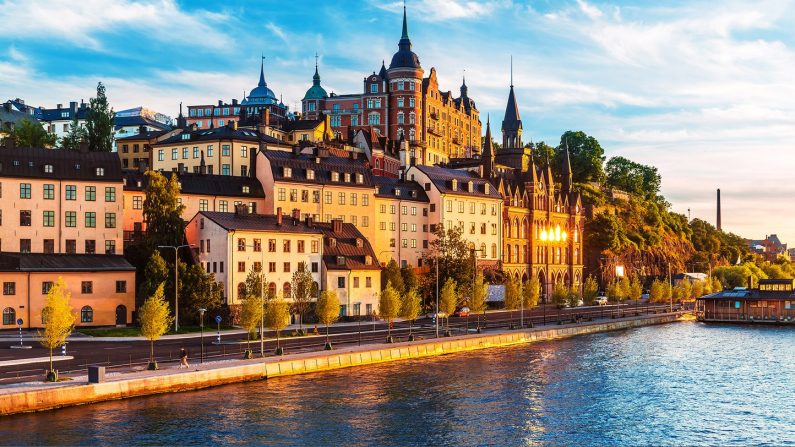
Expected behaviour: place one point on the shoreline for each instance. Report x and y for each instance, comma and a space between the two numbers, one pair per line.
40, 396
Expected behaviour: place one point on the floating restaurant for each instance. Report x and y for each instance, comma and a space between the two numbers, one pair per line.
772, 302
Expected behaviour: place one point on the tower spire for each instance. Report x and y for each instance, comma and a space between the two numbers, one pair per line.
405, 34
487, 154
262, 71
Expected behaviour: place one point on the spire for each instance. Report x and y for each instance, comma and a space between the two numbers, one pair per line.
487, 154
262, 82
464, 85
511, 123
512, 72
316, 77
405, 34
567, 176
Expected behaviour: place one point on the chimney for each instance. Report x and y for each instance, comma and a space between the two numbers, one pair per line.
279, 216
296, 214
336, 226
750, 282
59, 106
265, 117
718, 221
241, 209
234, 102
73, 106
220, 103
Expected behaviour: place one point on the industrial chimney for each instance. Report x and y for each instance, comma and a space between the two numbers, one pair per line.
718, 221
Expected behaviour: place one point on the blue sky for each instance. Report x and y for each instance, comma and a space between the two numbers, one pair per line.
703, 90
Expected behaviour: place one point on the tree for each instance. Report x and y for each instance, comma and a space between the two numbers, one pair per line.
154, 317
614, 291
513, 296
327, 309
560, 295
76, 136
302, 288
156, 273
454, 257
686, 289
698, 289
58, 321
632, 177
410, 279
251, 317
198, 289
573, 297
657, 292
635, 289
586, 155
624, 288
29, 133
477, 300
99, 122
410, 308
448, 300
531, 293
392, 274
590, 290
162, 211
277, 316
717, 286
389, 307
543, 154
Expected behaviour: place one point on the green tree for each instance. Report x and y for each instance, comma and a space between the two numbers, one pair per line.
586, 154
99, 122
251, 316
573, 297
156, 273
76, 136
58, 321
391, 274
327, 309
717, 286
389, 307
198, 290
590, 290
448, 300
162, 211
411, 307
454, 257
410, 279
513, 295
154, 318
686, 289
29, 133
698, 289
277, 316
635, 288
657, 292
302, 291
625, 288
477, 301
560, 295
614, 291
531, 293
543, 154
632, 177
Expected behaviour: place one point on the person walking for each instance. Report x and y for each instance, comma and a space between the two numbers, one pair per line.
183, 358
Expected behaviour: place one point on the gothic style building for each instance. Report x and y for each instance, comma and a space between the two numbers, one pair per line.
398, 103
542, 223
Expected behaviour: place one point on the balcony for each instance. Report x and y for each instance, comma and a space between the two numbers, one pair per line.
434, 116
433, 131
456, 140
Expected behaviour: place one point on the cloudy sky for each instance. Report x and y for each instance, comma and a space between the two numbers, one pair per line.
703, 90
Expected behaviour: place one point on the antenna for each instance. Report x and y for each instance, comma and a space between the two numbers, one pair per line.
316, 60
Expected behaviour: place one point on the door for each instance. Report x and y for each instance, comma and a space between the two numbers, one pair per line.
121, 315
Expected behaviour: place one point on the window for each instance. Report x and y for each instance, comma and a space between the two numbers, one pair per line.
174, 153
161, 155
286, 267
315, 246
374, 88
184, 153
91, 246
110, 247
71, 219
71, 246
87, 287
110, 220
46, 286
71, 192
86, 314
9, 315
121, 286
24, 218
49, 219
210, 150
327, 197
282, 194
354, 199
24, 245
286, 246
91, 219
300, 248
100, 172
9, 288
49, 192
110, 194
341, 198
271, 267
203, 204
226, 170
241, 244
272, 245
226, 150
241, 267
341, 282
24, 190
91, 193
257, 245
355, 282
374, 119
223, 206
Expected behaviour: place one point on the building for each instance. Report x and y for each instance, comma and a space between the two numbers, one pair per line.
58, 201
463, 199
135, 151
133, 121
400, 104
10, 117
542, 222
772, 302
401, 213
230, 245
320, 186
198, 192
102, 287
350, 268
59, 120
382, 154
770, 248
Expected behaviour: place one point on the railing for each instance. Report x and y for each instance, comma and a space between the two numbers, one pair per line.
434, 116
432, 130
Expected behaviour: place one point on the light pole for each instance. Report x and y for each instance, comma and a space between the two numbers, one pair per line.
436, 315
474, 277
176, 281
201, 325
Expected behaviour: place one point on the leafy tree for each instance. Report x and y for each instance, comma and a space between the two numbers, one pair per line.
253, 284
543, 154
477, 301
635, 289
454, 257
572, 296
657, 292
277, 316
251, 316
586, 154
448, 299
717, 286
76, 136
632, 177
162, 211
698, 289
154, 317
392, 274
302, 291
410, 279
625, 288
156, 273
590, 290
531, 293
411, 307
29, 133
513, 295
613, 291
560, 295
685, 289
668, 291
327, 309
58, 321
198, 289
99, 122
389, 306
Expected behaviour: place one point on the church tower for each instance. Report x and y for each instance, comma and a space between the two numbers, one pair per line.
487, 156
511, 124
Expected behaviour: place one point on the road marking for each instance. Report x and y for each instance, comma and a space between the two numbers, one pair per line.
55, 358
119, 347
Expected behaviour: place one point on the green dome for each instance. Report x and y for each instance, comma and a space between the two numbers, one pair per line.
316, 91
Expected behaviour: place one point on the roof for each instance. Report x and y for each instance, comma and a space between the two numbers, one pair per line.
202, 184
751, 294
442, 178
128, 121
220, 133
316, 91
404, 58
41, 262
9, 116
258, 222
66, 164
348, 243
303, 124
148, 135
511, 120
393, 188
56, 114
302, 163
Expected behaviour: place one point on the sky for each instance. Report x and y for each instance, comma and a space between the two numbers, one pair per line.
703, 90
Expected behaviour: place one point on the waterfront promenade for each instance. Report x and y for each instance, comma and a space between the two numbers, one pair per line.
35, 396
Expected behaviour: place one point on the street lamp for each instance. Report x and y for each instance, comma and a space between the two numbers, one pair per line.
176, 281
201, 325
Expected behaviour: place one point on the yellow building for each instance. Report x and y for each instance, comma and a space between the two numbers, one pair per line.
401, 216
135, 151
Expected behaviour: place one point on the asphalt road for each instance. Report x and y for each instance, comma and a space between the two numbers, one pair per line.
118, 356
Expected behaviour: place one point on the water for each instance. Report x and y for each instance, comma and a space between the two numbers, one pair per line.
677, 384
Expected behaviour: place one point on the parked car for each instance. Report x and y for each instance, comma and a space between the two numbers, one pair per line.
601, 300
461, 312
431, 315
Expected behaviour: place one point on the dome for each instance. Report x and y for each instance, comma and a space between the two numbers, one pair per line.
316, 91
404, 58
261, 94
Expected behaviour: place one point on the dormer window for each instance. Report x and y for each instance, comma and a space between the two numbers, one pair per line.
470, 186
397, 192
186, 136
48, 169
332, 242
368, 260
16, 162
414, 194
377, 189
246, 189
138, 183
77, 166
30, 164
359, 178
288, 172
335, 176
340, 260
359, 243
100, 172
347, 177
454, 186
310, 174
486, 188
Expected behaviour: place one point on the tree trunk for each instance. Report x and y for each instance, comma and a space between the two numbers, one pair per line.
277, 339
50, 359
410, 321
327, 333
151, 350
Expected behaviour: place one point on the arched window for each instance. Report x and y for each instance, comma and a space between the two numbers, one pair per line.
241, 290
287, 291
411, 118
516, 253
9, 315
272, 289
515, 227
378, 163
86, 314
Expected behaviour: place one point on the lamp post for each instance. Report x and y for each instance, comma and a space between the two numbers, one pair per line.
201, 325
474, 277
176, 281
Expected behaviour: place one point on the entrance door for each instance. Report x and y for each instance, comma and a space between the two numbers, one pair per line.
121, 315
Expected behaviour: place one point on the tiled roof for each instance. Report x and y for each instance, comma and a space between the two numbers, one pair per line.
220, 133
300, 164
37, 262
66, 165
442, 178
203, 184
388, 186
10, 116
258, 222
345, 244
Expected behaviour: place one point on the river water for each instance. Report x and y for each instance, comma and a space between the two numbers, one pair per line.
676, 384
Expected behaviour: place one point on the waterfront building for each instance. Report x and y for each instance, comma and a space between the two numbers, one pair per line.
463, 199
230, 245
401, 213
102, 287
350, 268
773, 301
400, 104
198, 192
57, 201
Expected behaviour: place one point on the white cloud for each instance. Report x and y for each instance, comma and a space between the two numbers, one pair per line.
440, 10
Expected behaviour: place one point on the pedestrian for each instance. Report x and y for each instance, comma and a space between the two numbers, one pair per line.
183, 358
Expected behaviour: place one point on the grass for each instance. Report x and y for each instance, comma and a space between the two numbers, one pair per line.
135, 332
